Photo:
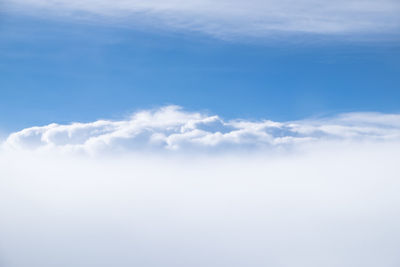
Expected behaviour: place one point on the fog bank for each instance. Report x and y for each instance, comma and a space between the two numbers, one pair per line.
326, 204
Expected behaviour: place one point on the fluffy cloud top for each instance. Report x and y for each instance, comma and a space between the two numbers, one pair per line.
232, 17
171, 128
333, 203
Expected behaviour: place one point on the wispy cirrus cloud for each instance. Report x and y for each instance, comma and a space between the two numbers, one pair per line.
223, 18
171, 128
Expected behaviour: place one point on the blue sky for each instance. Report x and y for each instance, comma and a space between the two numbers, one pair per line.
199, 133
63, 70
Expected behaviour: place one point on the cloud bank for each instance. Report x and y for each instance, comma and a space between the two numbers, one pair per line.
229, 18
331, 200
171, 128
335, 207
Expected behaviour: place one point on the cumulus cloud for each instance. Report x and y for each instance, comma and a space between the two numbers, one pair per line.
332, 202
224, 18
171, 128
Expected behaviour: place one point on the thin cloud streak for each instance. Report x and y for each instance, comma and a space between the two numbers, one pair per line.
227, 19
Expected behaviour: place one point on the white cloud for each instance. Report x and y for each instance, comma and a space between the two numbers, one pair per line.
335, 206
171, 128
332, 201
229, 18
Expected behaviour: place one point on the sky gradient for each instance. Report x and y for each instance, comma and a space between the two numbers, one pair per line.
199, 133
60, 68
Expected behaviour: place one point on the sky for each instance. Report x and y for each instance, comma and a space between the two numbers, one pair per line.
71, 62
199, 133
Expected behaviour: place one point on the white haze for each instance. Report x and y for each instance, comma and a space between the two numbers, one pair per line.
327, 201
228, 18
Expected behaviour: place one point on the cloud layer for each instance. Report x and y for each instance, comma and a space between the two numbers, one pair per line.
227, 18
171, 128
335, 207
333, 203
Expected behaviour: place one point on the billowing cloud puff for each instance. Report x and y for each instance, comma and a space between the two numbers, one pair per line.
171, 128
334, 202
225, 18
